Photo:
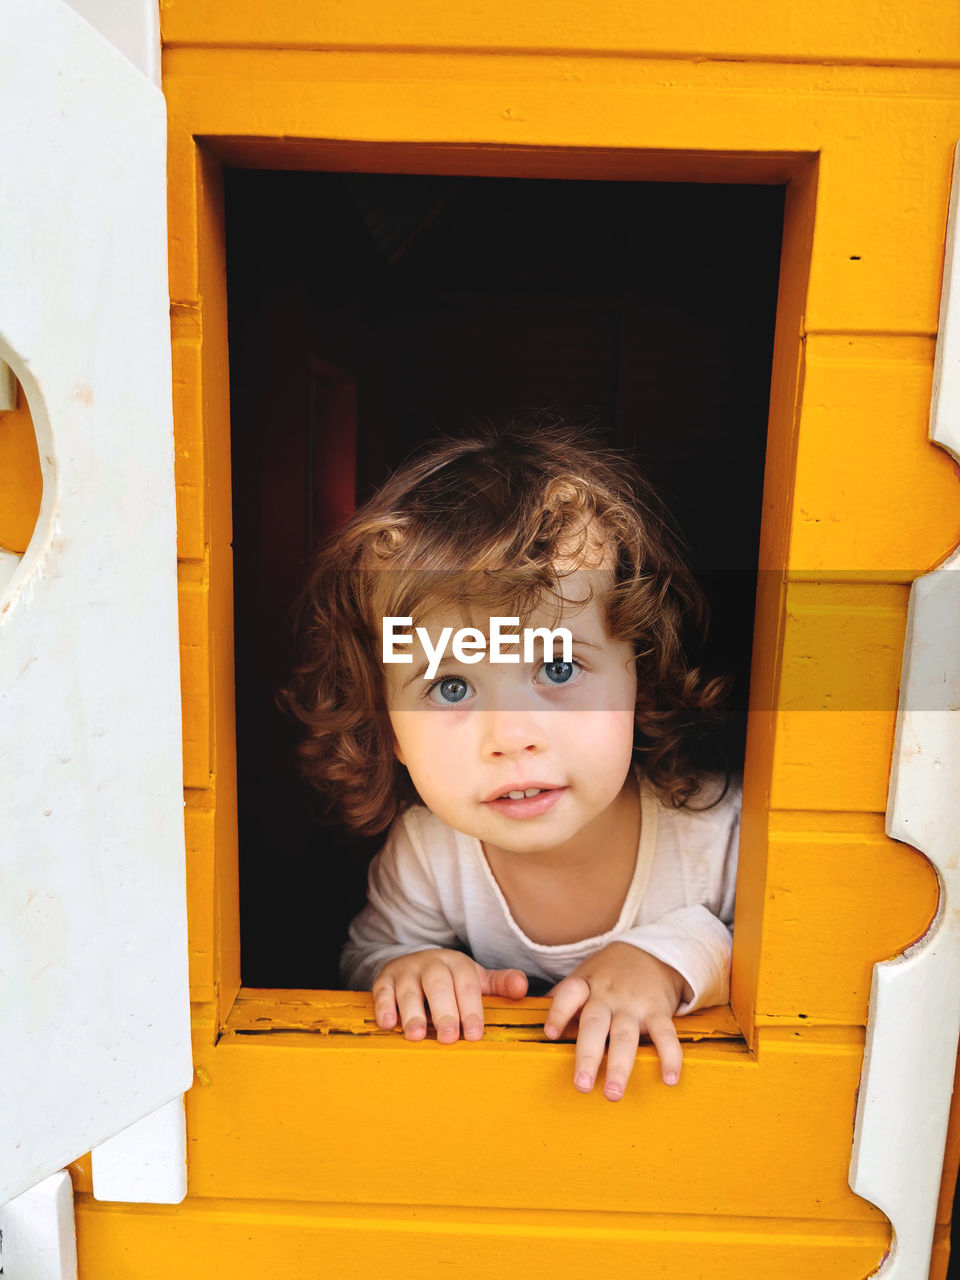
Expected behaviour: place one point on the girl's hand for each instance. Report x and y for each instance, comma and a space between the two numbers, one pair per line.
624, 993
453, 984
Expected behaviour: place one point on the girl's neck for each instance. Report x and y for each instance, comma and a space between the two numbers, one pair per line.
576, 890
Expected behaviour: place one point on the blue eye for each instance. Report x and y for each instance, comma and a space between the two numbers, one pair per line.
560, 672
448, 691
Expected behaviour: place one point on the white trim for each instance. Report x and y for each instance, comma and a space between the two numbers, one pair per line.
8, 389
9, 563
912, 1031
132, 25
94, 997
38, 1239
146, 1163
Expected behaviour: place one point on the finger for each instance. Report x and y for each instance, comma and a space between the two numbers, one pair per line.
511, 983
469, 998
438, 988
385, 1002
663, 1033
621, 1055
569, 997
591, 1041
413, 1016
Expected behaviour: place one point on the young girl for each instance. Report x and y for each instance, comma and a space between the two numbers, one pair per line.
548, 819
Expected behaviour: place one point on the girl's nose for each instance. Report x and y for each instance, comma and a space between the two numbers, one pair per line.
510, 733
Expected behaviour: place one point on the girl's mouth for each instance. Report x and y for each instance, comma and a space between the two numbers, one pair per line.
531, 802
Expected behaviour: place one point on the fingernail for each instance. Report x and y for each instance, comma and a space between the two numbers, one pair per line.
583, 1081
613, 1092
671, 1078
472, 1033
550, 1031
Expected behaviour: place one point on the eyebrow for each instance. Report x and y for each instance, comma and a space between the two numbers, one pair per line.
575, 643
417, 675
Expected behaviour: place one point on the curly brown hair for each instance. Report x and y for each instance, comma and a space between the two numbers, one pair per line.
490, 519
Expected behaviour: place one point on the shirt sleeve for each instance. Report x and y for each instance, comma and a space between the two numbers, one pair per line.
697, 944
696, 939
403, 911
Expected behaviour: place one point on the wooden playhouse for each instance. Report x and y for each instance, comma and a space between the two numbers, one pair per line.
742, 222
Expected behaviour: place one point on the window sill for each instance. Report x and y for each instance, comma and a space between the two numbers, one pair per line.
259, 1011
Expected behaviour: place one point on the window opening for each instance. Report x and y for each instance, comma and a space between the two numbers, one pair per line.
368, 311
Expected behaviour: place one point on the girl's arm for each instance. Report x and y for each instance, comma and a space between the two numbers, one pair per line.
403, 912
698, 945
402, 948
636, 985
696, 938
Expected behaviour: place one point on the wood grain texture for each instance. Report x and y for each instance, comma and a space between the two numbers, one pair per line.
828, 920
261, 1011
881, 137
832, 32
221, 1239
359, 1118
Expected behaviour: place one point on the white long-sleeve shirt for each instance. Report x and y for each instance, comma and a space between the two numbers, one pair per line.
431, 886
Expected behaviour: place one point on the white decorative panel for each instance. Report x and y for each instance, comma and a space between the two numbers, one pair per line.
8, 389
38, 1240
94, 1013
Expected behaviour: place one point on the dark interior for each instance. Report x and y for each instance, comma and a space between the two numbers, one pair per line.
369, 311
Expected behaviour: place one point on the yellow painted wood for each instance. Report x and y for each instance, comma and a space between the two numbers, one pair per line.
188, 456
827, 920
842, 647
835, 32
793, 820
215, 419
865, 406
219, 1240
857, 745
195, 656
360, 1119
614, 164
951, 1159
333, 1013
21, 484
200, 828
785, 390
885, 139
940, 1256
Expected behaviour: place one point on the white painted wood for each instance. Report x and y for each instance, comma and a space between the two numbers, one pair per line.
94, 1012
8, 389
9, 560
914, 1020
37, 1235
132, 25
146, 1163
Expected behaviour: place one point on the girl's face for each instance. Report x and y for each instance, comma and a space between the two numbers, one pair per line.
476, 733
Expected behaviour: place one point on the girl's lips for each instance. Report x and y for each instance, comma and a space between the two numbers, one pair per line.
529, 806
